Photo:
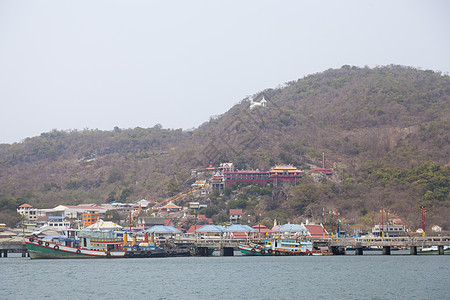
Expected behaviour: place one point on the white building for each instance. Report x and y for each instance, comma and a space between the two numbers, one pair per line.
76, 211
28, 211
261, 103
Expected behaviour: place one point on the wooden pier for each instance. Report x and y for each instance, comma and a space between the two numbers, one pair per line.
336, 246
386, 244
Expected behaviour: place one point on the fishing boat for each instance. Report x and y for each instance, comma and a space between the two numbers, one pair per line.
145, 250
434, 250
277, 247
87, 244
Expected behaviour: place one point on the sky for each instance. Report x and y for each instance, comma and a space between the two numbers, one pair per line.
91, 64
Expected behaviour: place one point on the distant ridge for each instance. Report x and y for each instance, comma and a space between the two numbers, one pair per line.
385, 132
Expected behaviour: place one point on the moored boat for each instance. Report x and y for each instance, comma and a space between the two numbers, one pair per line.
277, 247
434, 250
88, 244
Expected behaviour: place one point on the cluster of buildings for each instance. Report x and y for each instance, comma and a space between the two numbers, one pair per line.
226, 175
91, 215
83, 215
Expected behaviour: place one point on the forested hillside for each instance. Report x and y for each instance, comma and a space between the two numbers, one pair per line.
384, 131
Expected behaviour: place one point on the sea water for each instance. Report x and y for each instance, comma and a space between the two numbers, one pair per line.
238, 277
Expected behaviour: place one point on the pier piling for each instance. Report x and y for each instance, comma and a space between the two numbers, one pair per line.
386, 250
227, 251
337, 250
413, 250
202, 251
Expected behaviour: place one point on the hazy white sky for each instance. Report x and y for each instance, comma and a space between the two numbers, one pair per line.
99, 64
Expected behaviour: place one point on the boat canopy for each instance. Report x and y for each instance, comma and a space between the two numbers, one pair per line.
104, 225
162, 229
291, 228
240, 228
55, 237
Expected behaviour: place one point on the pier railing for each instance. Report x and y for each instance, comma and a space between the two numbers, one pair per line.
405, 241
391, 241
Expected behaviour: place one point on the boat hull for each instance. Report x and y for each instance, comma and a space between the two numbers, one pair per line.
39, 249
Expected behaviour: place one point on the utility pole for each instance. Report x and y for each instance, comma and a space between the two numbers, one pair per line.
382, 222
130, 220
423, 210
259, 223
323, 160
323, 221
387, 222
331, 213
337, 224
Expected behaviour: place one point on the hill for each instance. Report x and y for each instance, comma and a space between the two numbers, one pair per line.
384, 131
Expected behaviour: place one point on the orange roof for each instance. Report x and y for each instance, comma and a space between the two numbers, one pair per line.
259, 226
25, 205
171, 205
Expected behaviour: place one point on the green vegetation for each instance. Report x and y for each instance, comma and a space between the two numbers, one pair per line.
385, 131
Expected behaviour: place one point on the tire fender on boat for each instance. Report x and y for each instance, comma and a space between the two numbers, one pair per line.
108, 254
31, 240
40, 242
269, 251
263, 251
46, 244
78, 251
56, 247
252, 251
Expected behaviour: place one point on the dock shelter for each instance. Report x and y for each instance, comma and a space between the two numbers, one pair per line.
292, 230
210, 231
239, 231
163, 231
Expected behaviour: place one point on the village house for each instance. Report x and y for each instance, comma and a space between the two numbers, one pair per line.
235, 215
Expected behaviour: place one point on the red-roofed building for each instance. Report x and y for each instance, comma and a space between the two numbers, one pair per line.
397, 221
317, 231
202, 219
193, 228
169, 222
235, 215
263, 230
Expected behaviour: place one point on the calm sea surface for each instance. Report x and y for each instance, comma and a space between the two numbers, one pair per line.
239, 277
